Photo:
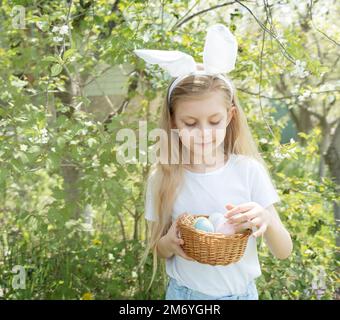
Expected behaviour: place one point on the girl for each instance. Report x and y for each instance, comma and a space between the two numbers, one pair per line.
205, 107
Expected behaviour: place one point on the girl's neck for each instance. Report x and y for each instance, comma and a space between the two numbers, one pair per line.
211, 164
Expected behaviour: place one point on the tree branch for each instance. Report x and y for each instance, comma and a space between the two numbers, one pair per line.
317, 29
179, 24
285, 53
283, 97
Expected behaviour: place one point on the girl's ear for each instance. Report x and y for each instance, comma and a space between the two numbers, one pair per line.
233, 111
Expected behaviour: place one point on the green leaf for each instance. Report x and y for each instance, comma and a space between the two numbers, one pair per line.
68, 53
34, 149
61, 142
51, 59
56, 69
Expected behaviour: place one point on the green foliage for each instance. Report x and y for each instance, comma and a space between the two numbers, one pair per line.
48, 134
307, 212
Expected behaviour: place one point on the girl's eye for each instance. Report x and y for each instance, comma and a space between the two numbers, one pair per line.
215, 123
193, 124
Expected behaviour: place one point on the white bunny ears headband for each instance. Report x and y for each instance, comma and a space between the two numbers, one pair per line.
219, 56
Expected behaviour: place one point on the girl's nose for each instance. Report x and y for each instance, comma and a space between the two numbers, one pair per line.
205, 134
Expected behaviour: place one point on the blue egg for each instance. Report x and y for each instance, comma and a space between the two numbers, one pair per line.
202, 223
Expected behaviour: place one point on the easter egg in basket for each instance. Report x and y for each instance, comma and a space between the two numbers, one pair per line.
221, 224
202, 223
211, 247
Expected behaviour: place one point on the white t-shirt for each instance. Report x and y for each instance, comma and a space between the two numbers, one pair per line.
242, 179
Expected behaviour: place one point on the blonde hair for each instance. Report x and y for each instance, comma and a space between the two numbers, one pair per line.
167, 178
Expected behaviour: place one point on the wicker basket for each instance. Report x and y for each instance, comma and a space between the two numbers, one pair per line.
211, 248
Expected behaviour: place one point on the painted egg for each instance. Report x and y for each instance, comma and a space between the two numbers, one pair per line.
220, 223
225, 228
202, 223
216, 219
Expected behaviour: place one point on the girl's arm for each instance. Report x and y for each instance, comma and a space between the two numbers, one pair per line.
277, 237
267, 221
163, 248
170, 244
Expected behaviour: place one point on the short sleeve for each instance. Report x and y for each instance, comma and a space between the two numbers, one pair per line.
262, 190
149, 202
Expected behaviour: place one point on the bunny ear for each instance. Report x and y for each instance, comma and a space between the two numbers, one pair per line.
176, 63
220, 50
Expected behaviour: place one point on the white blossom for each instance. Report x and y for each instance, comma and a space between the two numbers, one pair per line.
23, 147
95, 161
44, 135
299, 70
88, 218
110, 170
71, 223
88, 123
295, 89
307, 93
82, 132
55, 29
146, 37
304, 96
63, 30
57, 39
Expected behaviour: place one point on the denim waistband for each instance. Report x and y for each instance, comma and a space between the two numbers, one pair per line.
251, 291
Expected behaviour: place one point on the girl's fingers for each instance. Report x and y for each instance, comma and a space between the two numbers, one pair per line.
177, 221
239, 218
177, 230
260, 232
244, 216
256, 221
238, 209
179, 241
242, 226
175, 236
229, 206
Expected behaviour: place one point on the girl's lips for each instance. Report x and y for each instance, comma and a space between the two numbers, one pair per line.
204, 144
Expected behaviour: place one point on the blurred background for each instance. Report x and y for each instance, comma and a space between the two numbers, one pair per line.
72, 216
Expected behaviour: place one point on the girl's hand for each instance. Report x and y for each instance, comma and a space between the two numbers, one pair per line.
174, 241
247, 215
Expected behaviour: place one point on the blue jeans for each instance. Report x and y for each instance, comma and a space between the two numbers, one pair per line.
175, 291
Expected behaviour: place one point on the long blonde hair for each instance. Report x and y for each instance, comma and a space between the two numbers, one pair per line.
167, 178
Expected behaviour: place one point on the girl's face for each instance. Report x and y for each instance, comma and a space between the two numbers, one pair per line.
202, 123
